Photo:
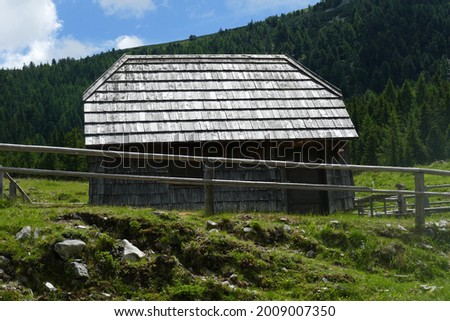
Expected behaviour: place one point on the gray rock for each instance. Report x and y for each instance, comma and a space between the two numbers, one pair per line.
283, 219
233, 277
310, 254
247, 229
442, 224
286, 228
80, 270
401, 228
50, 286
4, 262
24, 233
4, 276
37, 233
430, 288
427, 246
131, 253
214, 230
211, 225
69, 248
335, 223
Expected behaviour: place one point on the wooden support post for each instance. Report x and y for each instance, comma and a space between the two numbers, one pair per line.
401, 202
12, 190
426, 200
208, 170
419, 180
371, 207
284, 192
2, 178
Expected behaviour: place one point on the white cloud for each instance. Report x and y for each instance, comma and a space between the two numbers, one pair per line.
202, 15
28, 29
126, 8
29, 32
124, 42
44, 51
34, 37
252, 6
70, 47
26, 21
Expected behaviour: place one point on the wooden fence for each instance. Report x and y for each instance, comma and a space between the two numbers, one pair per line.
13, 187
419, 192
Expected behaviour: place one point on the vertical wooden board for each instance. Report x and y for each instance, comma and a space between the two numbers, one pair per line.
340, 201
419, 181
2, 180
208, 173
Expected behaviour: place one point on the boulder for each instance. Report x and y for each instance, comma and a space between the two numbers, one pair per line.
50, 286
69, 248
430, 288
131, 252
211, 225
4, 262
442, 224
37, 233
80, 270
233, 277
4, 276
24, 233
310, 254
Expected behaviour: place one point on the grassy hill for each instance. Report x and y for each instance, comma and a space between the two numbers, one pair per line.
228, 256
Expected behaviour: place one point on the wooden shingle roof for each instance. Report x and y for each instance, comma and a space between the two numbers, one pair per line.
180, 98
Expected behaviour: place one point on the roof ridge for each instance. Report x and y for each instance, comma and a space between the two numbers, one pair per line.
168, 56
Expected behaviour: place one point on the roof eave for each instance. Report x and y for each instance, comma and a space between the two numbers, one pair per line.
314, 76
108, 73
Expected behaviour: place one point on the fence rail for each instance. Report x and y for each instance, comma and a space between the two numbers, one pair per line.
420, 192
188, 158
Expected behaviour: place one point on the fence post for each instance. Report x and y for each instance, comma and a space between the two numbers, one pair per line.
419, 179
209, 189
2, 175
12, 189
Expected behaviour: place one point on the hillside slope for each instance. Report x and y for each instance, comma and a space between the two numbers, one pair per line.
239, 256
190, 256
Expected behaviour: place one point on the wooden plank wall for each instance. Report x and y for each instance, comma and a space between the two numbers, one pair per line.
340, 201
306, 201
141, 193
236, 199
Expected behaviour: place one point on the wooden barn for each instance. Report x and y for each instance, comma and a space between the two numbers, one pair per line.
235, 106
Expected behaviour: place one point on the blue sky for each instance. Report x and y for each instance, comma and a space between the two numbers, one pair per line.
40, 30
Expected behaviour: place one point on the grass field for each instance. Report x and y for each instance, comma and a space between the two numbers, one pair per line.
277, 257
